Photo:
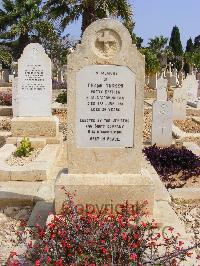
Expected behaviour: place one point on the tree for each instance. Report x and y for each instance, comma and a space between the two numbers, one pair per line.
139, 42
69, 11
176, 47
189, 46
20, 22
188, 55
5, 55
197, 42
158, 44
152, 64
175, 42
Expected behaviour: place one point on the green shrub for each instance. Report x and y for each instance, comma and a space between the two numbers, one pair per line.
62, 97
24, 149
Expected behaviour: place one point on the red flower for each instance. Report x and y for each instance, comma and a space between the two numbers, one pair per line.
136, 236
37, 263
134, 245
133, 256
143, 224
104, 250
48, 260
180, 243
46, 249
12, 254
124, 236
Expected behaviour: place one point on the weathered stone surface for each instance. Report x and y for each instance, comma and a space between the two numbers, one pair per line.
40, 213
185, 193
105, 189
105, 42
162, 123
39, 169
179, 104
35, 127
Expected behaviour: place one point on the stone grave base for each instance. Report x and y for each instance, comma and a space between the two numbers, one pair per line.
195, 104
100, 191
40, 130
39, 169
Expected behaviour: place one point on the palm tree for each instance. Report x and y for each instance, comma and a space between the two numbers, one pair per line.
19, 22
69, 11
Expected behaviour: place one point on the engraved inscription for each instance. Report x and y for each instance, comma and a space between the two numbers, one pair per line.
105, 106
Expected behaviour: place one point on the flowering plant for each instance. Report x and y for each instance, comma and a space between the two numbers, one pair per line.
5, 99
174, 165
78, 237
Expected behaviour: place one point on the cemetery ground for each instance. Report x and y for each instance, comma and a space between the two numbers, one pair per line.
188, 210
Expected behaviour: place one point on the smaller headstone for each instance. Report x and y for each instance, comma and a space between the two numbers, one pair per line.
11, 77
162, 123
162, 89
34, 82
5, 75
190, 84
153, 81
174, 78
179, 104
15, 97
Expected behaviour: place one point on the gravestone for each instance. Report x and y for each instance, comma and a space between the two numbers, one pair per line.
104, 136
190, 84
153, 81
32, 98
162, 123
162, 89
174, 78
15, 97
179, 104
34, 82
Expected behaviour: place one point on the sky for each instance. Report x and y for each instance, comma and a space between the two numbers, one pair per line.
157, 17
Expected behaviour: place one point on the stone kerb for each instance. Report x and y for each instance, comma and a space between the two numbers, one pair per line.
106, 42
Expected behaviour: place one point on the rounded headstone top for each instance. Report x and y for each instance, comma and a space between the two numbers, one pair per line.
106, 38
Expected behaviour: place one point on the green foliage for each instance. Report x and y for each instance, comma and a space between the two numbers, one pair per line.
197, 42
176, 47
24, 149
152, 64
5, 55
69, 11
62, 97
158, 44
139, 42
175, 42
20, 22
189, 46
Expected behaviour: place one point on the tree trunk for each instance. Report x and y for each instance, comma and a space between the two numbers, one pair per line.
23, 41
89, 15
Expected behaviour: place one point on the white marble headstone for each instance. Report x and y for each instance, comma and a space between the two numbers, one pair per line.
34, 82
162, 123
15, 97
105, 101
190, 84
179, 104
162, 89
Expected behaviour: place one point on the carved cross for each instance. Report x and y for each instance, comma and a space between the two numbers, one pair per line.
106, 39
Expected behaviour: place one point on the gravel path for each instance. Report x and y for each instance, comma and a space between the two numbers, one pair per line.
5, 123
20, 161
9, 222
189, 213
188, 126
